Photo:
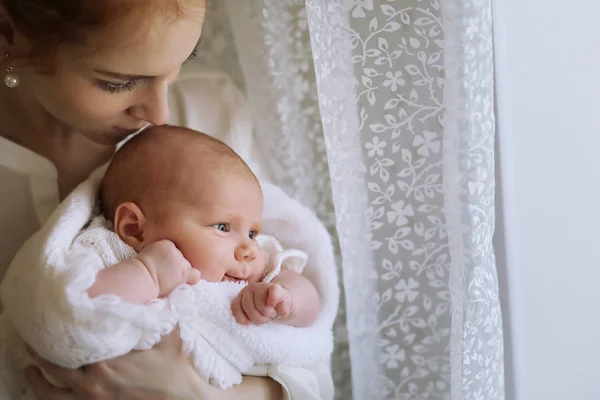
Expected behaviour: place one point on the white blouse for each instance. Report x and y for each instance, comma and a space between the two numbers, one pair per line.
28, 194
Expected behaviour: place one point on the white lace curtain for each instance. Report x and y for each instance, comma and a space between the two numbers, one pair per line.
379, 115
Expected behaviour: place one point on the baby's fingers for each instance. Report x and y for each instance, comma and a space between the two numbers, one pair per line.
237, 311
281, 300
192, 276
275, 295
266, 310
283, 309
250, 305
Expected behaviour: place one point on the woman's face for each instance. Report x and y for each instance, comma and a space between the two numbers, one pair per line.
108, 93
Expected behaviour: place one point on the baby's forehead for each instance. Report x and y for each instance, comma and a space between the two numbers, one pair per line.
208, 184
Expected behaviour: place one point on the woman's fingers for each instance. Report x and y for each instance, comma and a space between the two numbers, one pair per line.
43, 389
69, 378
62, 375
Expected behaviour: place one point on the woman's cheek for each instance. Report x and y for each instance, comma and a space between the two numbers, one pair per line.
72, 96
97, 105
99, 108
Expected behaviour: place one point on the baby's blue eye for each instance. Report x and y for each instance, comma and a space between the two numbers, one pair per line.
252, 234
222, 227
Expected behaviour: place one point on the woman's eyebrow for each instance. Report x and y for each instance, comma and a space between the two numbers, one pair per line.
123, 77
128, 77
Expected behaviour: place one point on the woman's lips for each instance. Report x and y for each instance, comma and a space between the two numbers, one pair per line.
126, 131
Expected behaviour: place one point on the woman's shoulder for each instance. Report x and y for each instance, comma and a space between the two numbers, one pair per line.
29, 194
24, 161
19, 211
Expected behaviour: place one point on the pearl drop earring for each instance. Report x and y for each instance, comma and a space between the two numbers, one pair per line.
11, 79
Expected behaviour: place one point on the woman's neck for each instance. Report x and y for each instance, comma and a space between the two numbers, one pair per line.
25, 122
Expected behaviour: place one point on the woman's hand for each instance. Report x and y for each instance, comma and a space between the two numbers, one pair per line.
161, 373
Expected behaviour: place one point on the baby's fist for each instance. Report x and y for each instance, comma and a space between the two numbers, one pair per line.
259, 303
280, 299
167, 266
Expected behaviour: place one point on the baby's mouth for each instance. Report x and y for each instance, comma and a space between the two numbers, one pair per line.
229, 278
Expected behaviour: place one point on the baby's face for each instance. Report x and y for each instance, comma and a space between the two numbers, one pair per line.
217, 232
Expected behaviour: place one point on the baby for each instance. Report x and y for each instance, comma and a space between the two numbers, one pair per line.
179, 207
191, 209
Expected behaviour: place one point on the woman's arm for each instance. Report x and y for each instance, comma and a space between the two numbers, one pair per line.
161, 373
252, 387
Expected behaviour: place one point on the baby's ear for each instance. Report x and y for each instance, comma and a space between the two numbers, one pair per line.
130, 223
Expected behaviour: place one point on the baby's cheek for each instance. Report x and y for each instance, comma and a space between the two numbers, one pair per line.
260, 266
262, 258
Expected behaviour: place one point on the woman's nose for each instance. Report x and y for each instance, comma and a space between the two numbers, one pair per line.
155, 107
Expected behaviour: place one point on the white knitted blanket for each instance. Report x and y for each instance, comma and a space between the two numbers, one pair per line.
45, 300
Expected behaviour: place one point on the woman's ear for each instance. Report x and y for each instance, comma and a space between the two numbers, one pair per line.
130, 224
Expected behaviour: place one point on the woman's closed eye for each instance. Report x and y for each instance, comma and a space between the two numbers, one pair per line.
193, 55
114, 87
128, 86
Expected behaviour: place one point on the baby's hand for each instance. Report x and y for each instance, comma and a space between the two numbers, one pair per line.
259, 303
167, 266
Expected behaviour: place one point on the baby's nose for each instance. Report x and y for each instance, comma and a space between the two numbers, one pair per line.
245, 251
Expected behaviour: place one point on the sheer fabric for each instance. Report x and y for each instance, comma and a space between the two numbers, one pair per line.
379, 115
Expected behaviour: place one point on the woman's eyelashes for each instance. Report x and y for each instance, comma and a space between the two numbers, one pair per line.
113, 87
120, 87
193, 55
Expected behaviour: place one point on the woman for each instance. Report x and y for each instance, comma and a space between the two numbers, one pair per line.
79, 76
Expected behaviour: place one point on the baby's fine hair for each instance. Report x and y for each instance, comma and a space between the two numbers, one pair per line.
148, 166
